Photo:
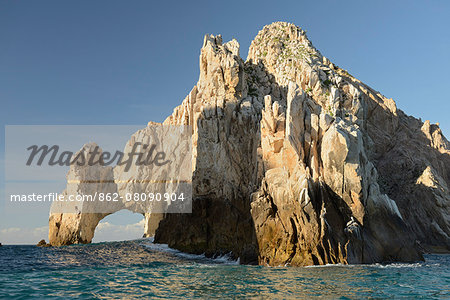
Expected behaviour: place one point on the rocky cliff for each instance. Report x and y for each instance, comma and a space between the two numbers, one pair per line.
297, 162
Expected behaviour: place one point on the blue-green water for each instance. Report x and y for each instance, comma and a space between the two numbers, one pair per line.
136, 269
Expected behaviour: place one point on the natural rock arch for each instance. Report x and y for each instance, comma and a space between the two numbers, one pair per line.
74, 222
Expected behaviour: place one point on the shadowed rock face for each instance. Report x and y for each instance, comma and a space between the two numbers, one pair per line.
297, 162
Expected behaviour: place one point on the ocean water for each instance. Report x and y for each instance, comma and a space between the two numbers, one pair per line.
135, 269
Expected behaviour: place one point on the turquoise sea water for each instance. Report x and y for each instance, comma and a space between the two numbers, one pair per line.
135, 269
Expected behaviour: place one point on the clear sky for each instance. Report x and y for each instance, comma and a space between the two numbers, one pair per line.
129, 62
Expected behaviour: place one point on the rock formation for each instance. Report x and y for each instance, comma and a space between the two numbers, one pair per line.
74, 222
297, 162
42, 243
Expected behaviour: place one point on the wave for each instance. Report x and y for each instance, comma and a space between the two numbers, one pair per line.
376, 265
223, 259
397, 265
329, 265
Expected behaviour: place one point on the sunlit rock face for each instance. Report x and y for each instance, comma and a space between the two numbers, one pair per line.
297, 162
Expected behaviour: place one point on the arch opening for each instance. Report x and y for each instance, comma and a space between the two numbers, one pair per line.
120, 226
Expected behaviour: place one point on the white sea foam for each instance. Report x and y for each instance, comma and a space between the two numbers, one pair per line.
377, 265
329, 265
223, 259
397, 265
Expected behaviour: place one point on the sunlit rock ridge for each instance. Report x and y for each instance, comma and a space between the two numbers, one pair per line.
296, 162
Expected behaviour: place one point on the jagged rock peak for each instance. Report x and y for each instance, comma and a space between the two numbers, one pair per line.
283, 47
283, 40
215, 42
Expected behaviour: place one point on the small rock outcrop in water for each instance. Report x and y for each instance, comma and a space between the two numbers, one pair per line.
43, 243
297, 162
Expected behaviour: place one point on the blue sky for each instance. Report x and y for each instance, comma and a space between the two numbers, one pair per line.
129, 62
